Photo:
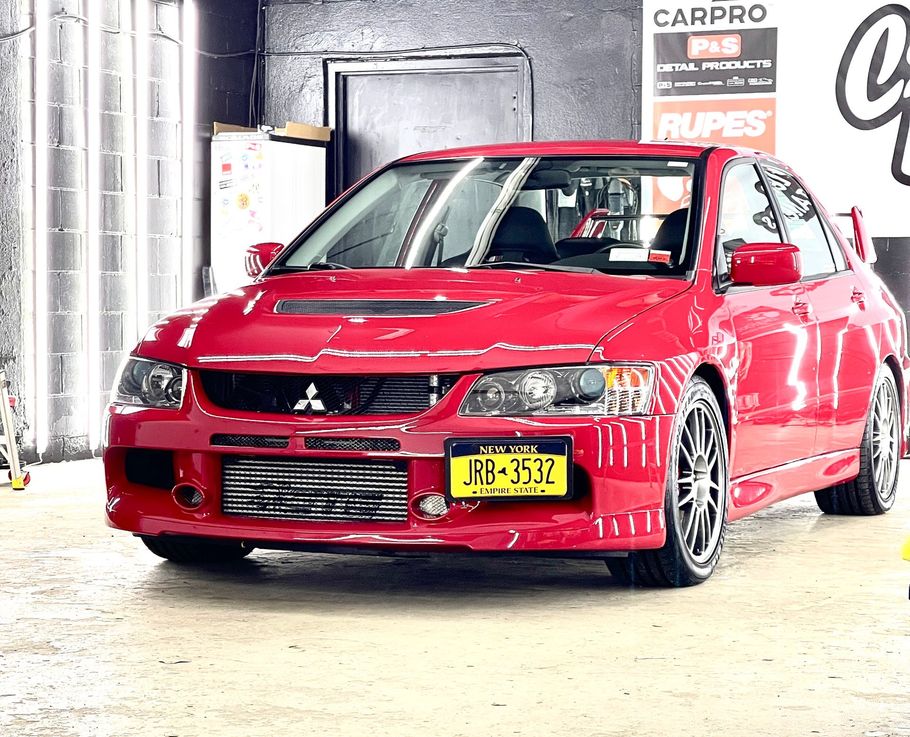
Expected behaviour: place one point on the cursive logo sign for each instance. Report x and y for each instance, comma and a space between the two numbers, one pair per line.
873, 80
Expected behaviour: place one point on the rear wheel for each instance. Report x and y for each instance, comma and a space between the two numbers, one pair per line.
196, 551
695, 502
873, 491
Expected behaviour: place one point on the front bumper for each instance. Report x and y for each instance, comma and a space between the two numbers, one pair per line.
620, 467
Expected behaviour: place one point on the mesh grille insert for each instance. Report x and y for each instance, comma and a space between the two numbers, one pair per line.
251, 441
373, 307
362, 444
314, 489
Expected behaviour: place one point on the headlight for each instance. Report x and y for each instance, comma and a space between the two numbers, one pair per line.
578, 390
149, 384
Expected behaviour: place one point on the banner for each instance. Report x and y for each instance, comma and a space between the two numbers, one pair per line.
825, 87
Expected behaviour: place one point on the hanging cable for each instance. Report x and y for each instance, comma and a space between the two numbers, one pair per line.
253, 108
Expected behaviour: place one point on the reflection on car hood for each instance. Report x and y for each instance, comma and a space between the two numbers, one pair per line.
390, 321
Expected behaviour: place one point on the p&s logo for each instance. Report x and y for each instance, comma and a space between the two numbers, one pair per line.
727, 46
873, 80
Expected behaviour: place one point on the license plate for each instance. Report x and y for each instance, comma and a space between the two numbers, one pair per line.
508, 469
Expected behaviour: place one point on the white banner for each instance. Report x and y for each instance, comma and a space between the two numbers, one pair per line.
824, 86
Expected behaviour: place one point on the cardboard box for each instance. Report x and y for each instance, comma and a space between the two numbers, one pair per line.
291, 130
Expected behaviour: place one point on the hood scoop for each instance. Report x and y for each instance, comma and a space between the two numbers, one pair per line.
374, 307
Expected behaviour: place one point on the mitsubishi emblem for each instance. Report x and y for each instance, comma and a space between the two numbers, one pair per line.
310, 401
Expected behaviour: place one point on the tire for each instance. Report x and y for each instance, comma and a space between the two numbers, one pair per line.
695, 503
196, 551
873, 491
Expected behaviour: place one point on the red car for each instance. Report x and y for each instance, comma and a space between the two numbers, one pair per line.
441, 363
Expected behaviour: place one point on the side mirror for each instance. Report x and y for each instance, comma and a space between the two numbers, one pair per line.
259, 256
766, 264
861, 240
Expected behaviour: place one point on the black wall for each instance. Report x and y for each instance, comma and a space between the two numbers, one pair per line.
894, 267
227, 42
585, 56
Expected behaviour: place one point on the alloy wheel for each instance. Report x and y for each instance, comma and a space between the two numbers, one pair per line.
700, 483
885, 440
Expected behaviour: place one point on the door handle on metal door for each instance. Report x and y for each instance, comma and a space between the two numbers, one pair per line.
859, 297
802, 309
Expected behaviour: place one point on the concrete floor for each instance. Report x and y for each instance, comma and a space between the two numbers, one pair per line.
803, 630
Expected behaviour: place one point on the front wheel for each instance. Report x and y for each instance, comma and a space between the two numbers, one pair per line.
695, 502
873, 491
196, 551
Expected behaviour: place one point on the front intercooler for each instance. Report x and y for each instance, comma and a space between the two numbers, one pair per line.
315, 490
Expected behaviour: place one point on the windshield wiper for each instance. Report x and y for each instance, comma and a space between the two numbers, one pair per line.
327, 266
524, 265
318, 266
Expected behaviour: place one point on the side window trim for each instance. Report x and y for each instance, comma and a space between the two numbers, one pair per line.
783, 227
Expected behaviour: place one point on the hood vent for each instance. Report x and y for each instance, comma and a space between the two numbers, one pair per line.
374, 307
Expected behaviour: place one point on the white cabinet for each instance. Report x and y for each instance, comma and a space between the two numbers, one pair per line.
264, 188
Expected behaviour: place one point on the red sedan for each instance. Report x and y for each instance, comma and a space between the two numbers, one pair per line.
604, 349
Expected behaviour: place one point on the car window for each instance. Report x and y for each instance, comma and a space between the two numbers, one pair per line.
803, 223
375, 234
462, 219
840, 261
746, 215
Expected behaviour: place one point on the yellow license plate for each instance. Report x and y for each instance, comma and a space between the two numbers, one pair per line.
508, 469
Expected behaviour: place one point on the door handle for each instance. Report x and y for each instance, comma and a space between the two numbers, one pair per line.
859, 297
802, 309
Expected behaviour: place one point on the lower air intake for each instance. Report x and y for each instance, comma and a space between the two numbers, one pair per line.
357, 444
251, 441
314, 490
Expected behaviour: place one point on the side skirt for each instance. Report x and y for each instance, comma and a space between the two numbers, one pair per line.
750, 493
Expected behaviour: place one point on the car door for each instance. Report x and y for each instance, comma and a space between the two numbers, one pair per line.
775, 394
847, 335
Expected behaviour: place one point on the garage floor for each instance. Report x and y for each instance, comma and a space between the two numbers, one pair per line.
803, 630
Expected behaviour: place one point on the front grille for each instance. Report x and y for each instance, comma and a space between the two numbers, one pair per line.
314, 490
373, 307
251, 441
361, 444
324, 395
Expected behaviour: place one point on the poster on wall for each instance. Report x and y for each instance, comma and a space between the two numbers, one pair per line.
829, 93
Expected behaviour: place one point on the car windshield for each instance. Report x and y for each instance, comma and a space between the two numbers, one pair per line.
612, 215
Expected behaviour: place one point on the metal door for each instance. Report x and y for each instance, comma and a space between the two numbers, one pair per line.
382, 110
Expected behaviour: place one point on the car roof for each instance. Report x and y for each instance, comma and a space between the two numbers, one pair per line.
683, 149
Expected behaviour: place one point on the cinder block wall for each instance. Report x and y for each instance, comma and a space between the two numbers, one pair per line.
13, 221
223, 89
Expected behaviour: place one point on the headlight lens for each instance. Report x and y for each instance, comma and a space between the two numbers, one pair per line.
149, 384
605, 389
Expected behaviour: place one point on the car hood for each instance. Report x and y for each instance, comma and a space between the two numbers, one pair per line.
340, 322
